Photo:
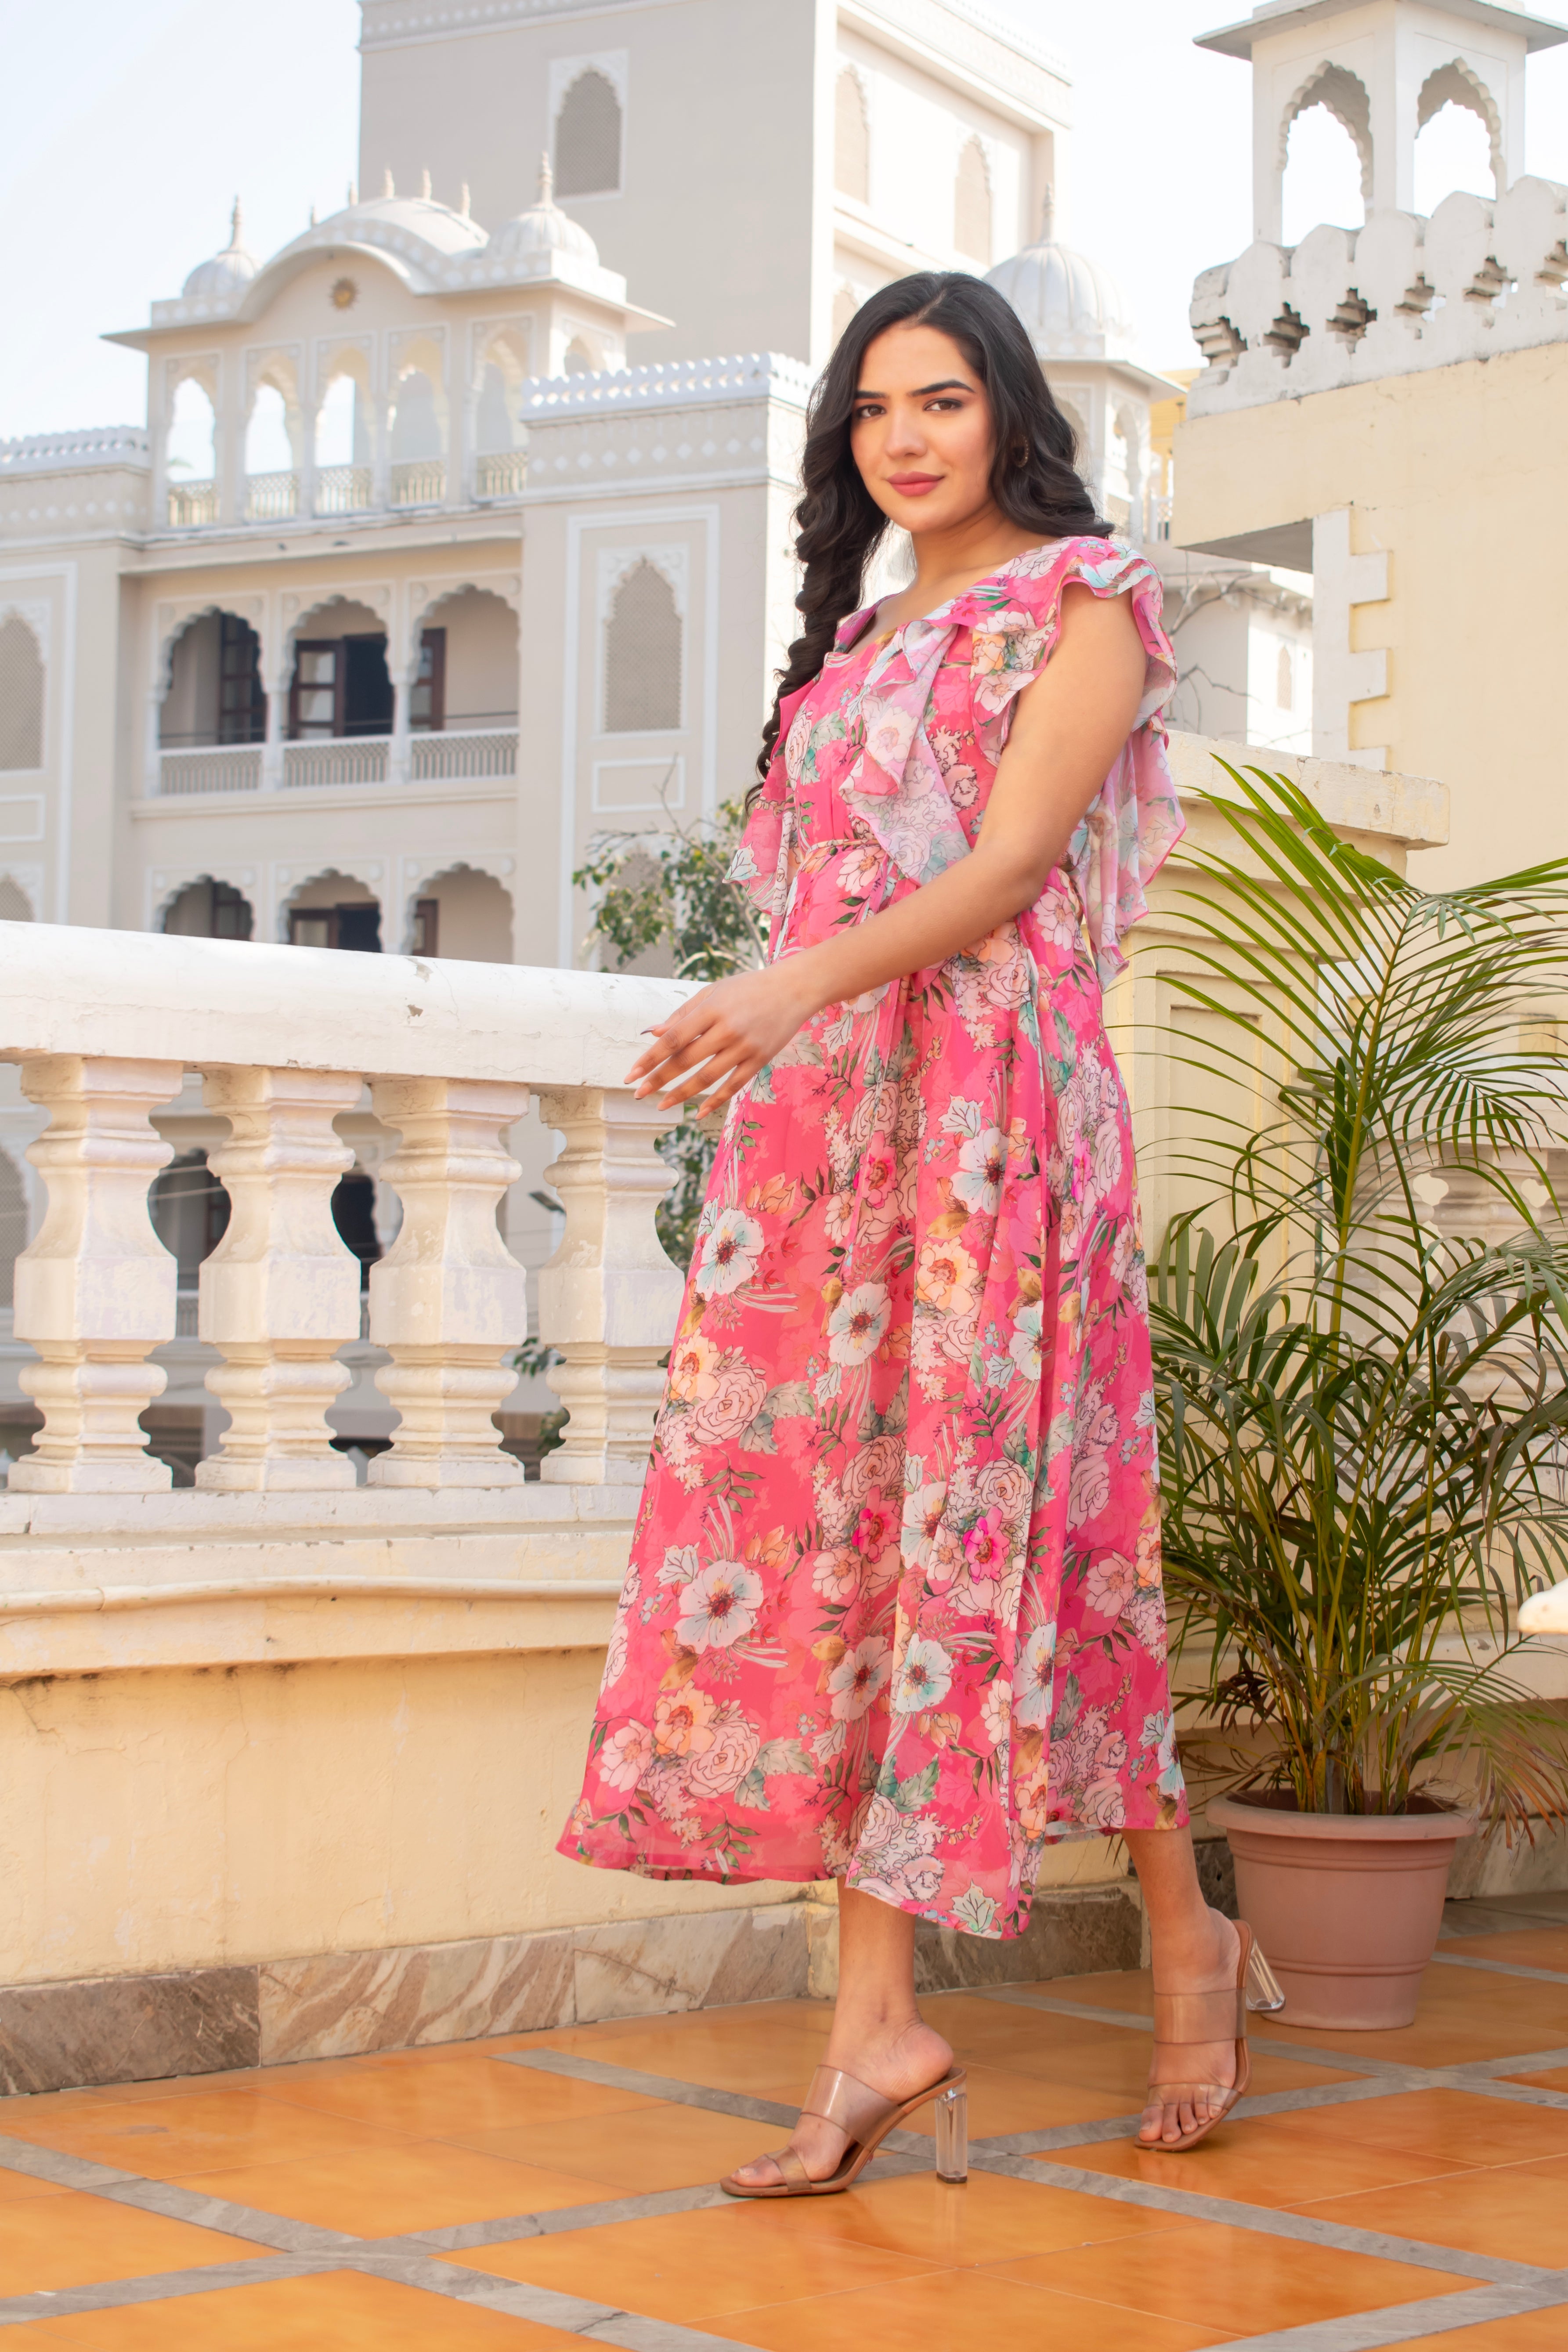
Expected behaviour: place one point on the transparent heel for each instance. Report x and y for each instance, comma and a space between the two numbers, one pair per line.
1263, 1987
953, 2136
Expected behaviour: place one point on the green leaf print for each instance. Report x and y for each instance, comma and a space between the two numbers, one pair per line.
911, 1796
781, 1756
975, 1911
752, 1794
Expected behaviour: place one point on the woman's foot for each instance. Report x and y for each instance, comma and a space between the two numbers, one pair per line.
898, 2062
1204, 1961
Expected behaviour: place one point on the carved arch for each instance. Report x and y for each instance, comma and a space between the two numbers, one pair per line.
1346, 97
1456, 84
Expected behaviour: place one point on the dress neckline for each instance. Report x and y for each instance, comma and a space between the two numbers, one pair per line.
867, 614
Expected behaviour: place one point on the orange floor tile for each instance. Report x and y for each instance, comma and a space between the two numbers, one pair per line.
1531, 1948
76, 2240
1519, 2212
384, 2193
400, 2143
339, 2312
957, 2311
1235, 2280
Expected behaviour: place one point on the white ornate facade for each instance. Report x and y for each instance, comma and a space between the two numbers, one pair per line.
446, 458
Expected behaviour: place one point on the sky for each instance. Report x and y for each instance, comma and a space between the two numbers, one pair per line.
130, 130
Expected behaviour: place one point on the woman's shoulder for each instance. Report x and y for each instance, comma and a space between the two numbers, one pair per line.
1029, 589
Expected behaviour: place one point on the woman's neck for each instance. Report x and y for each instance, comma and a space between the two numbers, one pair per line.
948, 561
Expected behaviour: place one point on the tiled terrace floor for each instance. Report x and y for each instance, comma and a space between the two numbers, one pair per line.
1406, 2188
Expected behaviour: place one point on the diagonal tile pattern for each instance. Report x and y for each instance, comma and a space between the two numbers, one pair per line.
1398, 2189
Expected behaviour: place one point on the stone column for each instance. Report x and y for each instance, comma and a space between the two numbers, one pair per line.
95, 1292
449, 1300
280, 1294
609, 1297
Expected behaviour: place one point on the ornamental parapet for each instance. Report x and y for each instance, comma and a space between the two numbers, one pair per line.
1402, 294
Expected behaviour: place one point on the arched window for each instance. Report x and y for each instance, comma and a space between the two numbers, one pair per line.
216, 694
209, 910
340, 436
579, 358
268, 447
972, 205
588, 138
642, 655
844, 308
21, 695
851, 140
13, 1224
1456, 146
192, 434
1285, 686
16, 907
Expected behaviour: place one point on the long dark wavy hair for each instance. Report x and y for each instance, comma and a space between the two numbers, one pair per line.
839, 524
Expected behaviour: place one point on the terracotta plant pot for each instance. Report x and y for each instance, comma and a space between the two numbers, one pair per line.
1346, 1907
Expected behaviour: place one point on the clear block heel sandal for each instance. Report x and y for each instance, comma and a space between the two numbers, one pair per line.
1183, 2020
867, 2117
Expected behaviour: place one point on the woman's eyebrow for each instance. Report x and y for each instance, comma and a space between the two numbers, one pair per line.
924, 390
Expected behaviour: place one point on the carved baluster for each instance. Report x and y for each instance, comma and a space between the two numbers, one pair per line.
448, 1299
609, 1297
95, 1292
280, 1294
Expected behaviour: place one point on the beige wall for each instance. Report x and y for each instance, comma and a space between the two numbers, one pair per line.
1461, 476
244, 1812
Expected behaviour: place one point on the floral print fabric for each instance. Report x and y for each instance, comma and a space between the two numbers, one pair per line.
894, 1611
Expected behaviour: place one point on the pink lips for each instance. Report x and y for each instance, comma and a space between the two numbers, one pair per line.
914, 486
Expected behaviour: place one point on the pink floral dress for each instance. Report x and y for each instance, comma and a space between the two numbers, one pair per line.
894, 1610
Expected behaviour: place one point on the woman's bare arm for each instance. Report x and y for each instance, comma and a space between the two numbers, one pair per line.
1068, 727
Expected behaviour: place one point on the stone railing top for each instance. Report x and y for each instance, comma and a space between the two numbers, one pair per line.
97, 444
1348, 306
1412, 811
670, 383
220, 1004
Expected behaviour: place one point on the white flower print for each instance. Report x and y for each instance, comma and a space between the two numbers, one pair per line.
625, 1756
996, 1713
860, 1675
1032, 1684
982, 1165
719, 1605
856, 1324
730, 1254
924, 1677
1023, 1347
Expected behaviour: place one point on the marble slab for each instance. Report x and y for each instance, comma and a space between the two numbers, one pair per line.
341, 2004
130, 2029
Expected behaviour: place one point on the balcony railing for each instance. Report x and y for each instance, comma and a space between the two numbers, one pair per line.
106, 1024
419, 482
271, 497
210, 768
341, 760
191, 504
501, 475
435, 758
343, 490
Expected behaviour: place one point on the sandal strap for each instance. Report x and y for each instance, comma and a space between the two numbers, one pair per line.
790, 2169
852, 2107
1187, 2017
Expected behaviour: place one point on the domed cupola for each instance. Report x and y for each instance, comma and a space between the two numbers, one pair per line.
227, 274
527, 243
1071, 307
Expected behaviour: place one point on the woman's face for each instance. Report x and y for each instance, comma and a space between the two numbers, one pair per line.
921, 430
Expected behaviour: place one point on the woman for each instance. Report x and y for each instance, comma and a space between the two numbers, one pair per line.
894, 1611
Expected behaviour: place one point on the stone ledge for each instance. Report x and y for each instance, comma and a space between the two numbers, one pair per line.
131, 2029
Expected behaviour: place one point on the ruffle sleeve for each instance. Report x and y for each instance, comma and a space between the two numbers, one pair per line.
760, 865
1135, 820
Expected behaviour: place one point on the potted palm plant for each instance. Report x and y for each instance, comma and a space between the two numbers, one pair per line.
1361, 1410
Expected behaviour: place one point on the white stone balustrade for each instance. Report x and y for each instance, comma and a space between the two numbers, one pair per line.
450, 1297
1349, 306
95, 1292
105, 1024
280, 1294
609, 1296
